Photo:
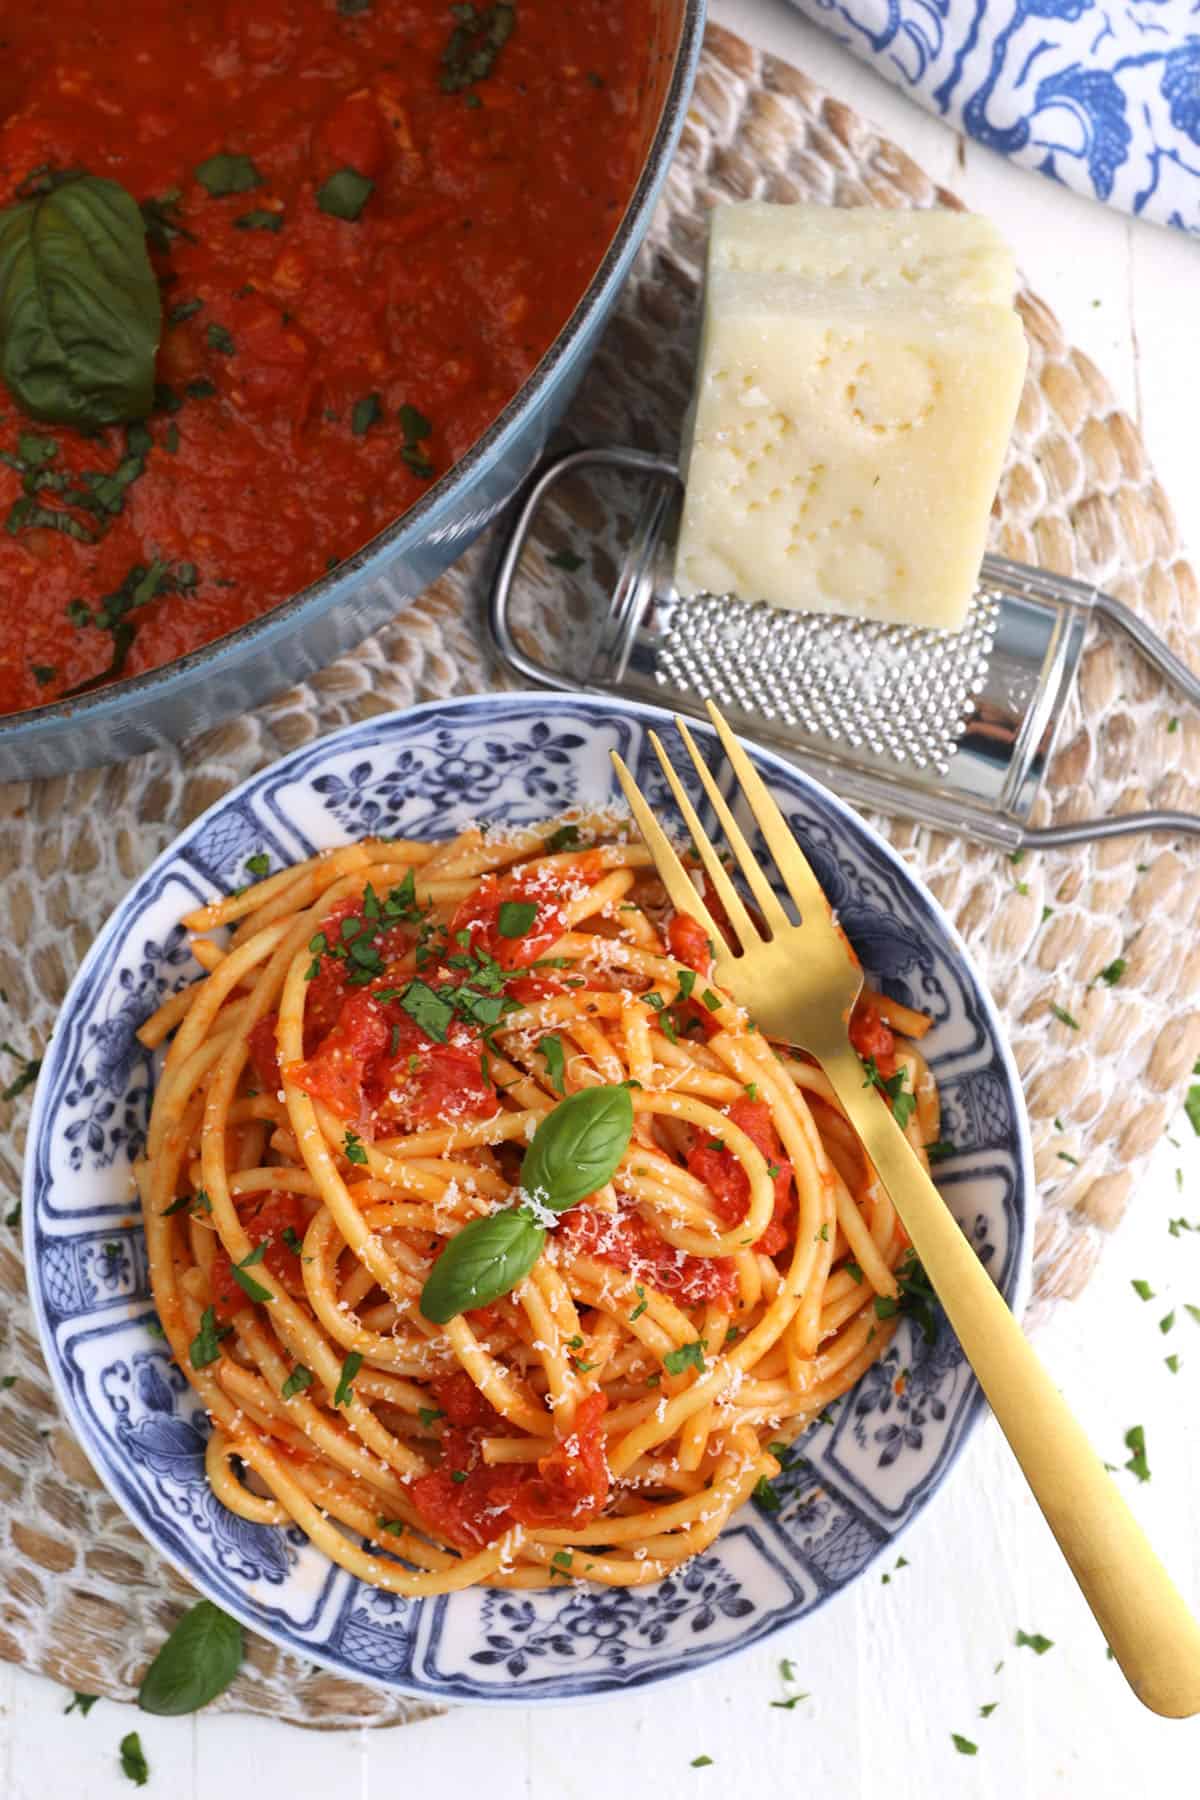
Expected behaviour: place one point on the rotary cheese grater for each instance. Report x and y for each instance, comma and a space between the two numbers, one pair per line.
954, 729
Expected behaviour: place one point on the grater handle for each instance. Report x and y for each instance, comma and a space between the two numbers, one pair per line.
503, 581
1150, 645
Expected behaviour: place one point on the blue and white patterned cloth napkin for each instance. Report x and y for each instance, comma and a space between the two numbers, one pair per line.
1105, 98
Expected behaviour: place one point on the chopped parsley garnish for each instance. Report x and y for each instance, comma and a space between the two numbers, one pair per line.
551, 1048
367, 412
766, 1496
1113, 973
160, 216
133, 1759
260, 219
642, 1304
299, 1379
701, 1762
1142, 1289
345, 194
1167, 1322
140, 586
205, 1347
82, 1702
27, 1074
258, 865
428, 1009
1063, 1016
353, 1147
515, 917
963, 1745
916, 1296
853, 1271
228, 174
344, 1392
985, 1712
1172, 1363
713, 1001
939, 1150
428, 1415
562, 1559
893, 1088
479, 35
1033, 1640
415, 427
1135, 1443
458, 1475
565, 559
1191, 1107
686, 1356
566, 837
687, 981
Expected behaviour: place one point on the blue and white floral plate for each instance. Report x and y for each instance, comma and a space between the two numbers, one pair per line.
500, 758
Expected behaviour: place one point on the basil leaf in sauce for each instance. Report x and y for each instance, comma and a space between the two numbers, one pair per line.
345, 194
80, 311
481, 1263
197, 1662
577, 1148
228, 173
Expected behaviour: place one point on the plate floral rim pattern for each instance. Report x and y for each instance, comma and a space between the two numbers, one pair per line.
859, 1476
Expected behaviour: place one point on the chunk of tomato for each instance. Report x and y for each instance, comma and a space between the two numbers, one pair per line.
625, 1239
469, 1503
728, 1182
479, 914
420, 1082
872, 1038
688, 943
337, 1071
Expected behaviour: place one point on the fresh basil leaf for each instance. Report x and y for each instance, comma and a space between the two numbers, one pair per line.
299, 1379
228, 174
481, 1263
515, 917
197, 1662
80, 310
577, 1148
345, 194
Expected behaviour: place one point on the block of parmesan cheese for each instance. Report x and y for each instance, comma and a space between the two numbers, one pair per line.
942, 255
844, 446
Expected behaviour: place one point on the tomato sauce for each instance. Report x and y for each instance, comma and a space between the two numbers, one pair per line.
316, 372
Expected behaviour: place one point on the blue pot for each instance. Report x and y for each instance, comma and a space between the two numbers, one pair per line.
314, 626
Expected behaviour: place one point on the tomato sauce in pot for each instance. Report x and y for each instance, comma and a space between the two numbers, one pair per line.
369, 219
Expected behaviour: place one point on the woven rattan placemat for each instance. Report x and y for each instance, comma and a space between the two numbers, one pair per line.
82, 1598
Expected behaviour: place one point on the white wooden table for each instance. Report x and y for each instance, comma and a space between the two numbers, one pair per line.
894, 1669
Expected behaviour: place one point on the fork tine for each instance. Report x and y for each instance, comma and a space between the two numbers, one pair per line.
790, 860
757, 882
748, 935
671, 872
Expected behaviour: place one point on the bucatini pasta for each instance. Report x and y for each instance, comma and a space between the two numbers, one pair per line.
499, 1245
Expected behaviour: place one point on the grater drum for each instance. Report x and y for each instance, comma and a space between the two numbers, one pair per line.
954, 729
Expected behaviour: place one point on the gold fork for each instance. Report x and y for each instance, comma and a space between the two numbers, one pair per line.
799, 983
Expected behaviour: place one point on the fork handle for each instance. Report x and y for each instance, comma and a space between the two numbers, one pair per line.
1141, 1613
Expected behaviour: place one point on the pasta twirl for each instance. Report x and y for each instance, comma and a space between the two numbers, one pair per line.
353, 1088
